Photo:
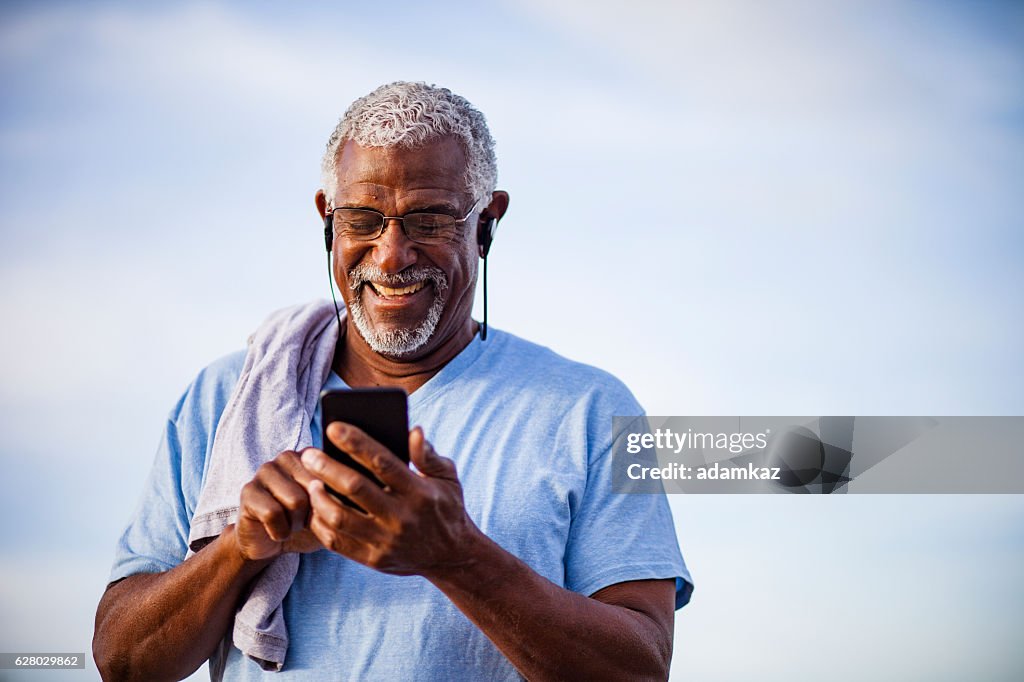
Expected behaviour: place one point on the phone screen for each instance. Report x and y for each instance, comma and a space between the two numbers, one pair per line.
381, 412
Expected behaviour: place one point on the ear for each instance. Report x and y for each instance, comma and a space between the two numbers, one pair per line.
328, 218
487, 225
321, 203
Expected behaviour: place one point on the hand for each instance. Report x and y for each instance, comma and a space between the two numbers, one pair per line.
273, 512
415, 525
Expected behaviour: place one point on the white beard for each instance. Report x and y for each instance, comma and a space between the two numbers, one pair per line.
396, 343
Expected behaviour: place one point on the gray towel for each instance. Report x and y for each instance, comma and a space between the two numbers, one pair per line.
270, 410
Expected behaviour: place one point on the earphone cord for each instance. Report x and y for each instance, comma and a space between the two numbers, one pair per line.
483, 327
330, 283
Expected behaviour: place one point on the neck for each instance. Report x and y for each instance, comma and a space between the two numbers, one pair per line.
362, 367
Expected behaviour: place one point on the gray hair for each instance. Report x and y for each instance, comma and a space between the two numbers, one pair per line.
410, 115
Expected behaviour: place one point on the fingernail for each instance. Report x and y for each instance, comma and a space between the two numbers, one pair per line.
311, 459
340, 430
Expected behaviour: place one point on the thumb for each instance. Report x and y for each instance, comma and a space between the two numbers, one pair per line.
426, 459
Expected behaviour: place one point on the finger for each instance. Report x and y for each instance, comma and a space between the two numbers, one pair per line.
287, 491
336, 541
339, 517
426, 459
348, 482
259, 505
371, 454
303, 542
291, 462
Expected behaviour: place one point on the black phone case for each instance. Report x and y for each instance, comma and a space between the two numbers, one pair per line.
381, 412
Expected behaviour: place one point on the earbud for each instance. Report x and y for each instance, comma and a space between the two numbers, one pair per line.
329, 243
485, 235
329, 231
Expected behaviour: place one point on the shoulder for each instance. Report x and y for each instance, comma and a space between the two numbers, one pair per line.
192, 422
208, 393
537, 369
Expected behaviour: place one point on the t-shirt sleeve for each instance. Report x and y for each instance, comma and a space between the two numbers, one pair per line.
620, 537
156, 538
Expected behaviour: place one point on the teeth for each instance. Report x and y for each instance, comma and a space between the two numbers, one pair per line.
403, 291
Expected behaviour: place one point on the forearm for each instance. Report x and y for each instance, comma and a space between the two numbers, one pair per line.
165, 625
548, 632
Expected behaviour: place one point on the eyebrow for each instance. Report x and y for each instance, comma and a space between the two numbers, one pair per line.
357, 206
442, 207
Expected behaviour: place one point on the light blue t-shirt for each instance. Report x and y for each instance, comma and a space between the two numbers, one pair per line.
530, 433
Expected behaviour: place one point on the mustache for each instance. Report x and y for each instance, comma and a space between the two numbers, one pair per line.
369, 272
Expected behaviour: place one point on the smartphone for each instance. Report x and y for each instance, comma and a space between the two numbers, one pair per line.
383, 413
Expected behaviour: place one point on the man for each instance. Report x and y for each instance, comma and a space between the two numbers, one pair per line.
512, 558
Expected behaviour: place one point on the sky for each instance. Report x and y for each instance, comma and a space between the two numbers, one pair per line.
735, 207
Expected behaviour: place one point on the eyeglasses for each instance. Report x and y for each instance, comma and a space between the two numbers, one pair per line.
365, 225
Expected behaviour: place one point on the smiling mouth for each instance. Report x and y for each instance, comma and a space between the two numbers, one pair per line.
393, 292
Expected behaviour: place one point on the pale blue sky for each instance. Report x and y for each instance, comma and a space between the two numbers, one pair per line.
738, 208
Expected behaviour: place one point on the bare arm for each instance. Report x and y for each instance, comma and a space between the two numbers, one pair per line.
418, 525
163, 626
623, 632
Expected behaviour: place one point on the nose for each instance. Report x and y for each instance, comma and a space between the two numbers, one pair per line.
393, 251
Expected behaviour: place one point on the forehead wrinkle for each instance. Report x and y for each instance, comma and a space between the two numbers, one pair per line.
385, 200
438, 166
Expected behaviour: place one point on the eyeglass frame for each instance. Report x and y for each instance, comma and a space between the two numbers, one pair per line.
401, 219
